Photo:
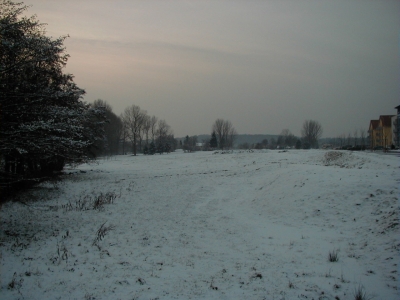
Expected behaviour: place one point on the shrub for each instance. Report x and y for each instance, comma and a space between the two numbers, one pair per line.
333, 256
360, 293
94, 201
101, 232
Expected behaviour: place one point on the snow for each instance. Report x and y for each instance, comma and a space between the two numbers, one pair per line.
209, 225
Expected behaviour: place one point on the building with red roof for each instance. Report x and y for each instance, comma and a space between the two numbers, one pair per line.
381, 131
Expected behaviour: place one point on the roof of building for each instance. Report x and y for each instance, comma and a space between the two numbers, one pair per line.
386, 120
374, 124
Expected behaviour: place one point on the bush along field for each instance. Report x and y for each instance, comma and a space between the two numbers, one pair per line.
208, 225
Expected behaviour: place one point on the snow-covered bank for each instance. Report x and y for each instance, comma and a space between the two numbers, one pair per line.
241, 225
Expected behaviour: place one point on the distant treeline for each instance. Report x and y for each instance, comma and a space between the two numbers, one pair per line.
239, 139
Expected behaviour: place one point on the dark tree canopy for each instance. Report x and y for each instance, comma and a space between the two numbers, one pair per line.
286, 139
213, 140
44, 122
112, 129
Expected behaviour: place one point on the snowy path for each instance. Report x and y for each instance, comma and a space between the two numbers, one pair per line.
210, 226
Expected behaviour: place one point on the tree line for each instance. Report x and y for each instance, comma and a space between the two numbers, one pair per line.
359, 138
224, 135
134, 131
44, 122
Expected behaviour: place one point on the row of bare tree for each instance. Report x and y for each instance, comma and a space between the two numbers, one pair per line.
139, 128
223, 136
359, 137
311, 131
225, 133
135, 127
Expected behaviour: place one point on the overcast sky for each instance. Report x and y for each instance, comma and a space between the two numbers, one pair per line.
263, 65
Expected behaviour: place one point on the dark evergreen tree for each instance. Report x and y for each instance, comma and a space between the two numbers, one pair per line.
145, 150
298, 144
265, 143
279, 142
167, 147
160, 148
273, 143
306, 145
213, 140
152, 148
112, 130
44, 123
186, 144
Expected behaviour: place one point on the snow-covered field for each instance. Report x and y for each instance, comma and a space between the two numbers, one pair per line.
241, 225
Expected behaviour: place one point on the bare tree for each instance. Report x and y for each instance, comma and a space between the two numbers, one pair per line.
362, 136
146, 127
286, 138
341, 139
311, 132
232, 137
124, 134
163, 130
140, 137
355, 137
218, 129
153, 127
349, 139
224, 130
133, 118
